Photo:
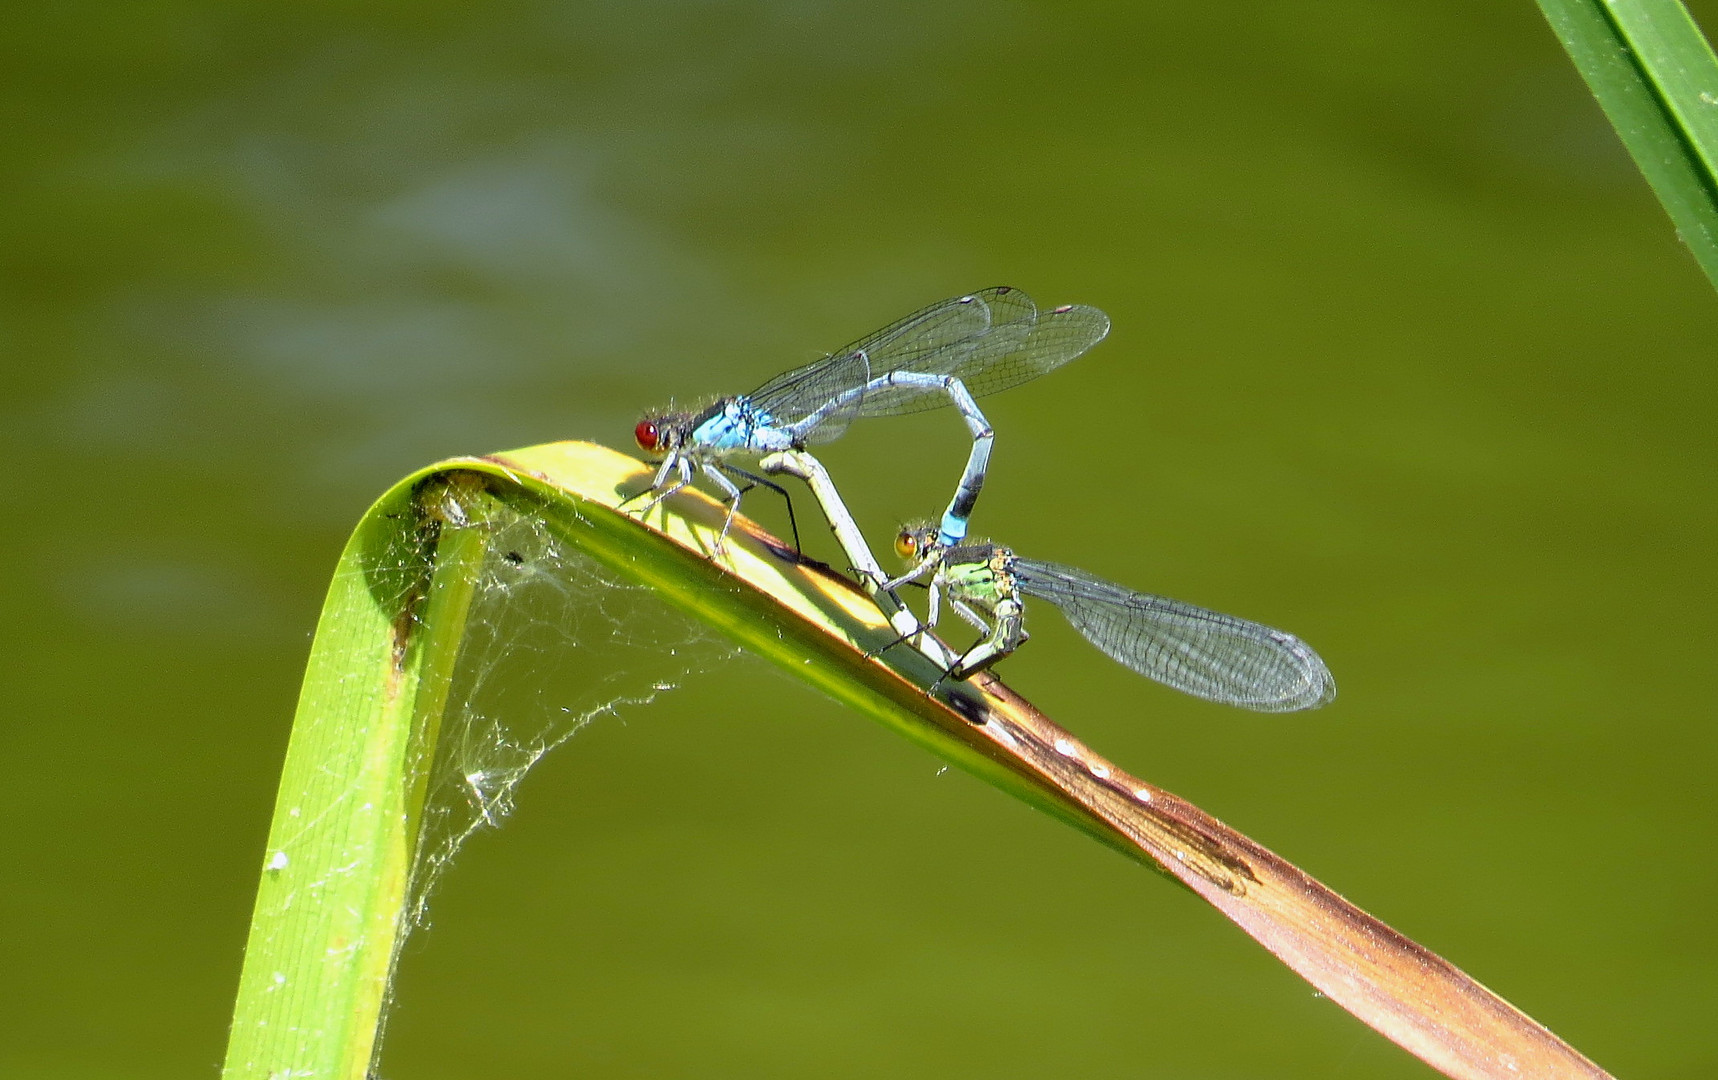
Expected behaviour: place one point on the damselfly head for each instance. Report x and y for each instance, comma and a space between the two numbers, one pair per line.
916, 542
660, 434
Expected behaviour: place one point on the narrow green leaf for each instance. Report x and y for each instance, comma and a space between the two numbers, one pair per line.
337, 869
1655, 77
336, 885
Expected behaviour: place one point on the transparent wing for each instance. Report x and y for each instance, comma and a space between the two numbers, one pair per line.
835, 384
1204, 653
1009, 317
1020, 344
1054, 338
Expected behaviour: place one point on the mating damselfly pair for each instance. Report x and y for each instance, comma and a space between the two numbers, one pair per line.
951, 353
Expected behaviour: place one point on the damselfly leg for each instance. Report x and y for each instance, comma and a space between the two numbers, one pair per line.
660, 488
759, 481
684, 468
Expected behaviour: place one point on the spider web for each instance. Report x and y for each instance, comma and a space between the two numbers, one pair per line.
554, 641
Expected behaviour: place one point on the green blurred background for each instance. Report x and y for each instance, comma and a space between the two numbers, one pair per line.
1406, 359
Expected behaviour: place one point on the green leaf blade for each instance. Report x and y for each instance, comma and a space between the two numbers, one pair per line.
1656, 79
336, 878
330, 915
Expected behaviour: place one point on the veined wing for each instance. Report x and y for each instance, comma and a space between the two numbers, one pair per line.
1056, 337
1020, 344
1204, 653
835, 385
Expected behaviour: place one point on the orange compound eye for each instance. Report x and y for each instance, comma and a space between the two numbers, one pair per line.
906, 544
647, 435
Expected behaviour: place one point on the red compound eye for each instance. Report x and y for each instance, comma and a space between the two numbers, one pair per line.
906, 544
647, 435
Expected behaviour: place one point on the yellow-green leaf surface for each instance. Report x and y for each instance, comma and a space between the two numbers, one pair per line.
337, 873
